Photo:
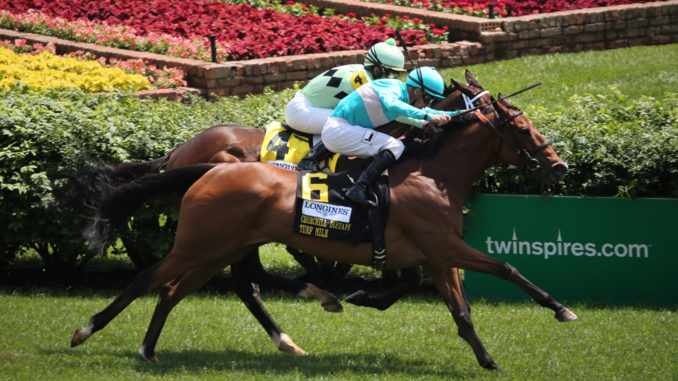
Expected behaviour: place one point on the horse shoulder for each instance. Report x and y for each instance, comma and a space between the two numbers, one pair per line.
419, 200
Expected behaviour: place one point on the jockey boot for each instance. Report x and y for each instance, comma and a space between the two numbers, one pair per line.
358, 192
315, 155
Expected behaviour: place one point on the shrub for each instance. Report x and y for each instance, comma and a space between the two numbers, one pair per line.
615, 147
49, 140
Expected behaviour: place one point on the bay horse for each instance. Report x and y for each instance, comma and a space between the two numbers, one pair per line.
234, 143
228, 209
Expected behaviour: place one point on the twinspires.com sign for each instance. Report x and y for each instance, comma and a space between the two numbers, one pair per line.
578, 249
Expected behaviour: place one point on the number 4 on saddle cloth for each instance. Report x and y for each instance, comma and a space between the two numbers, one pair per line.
321, 210
285, 147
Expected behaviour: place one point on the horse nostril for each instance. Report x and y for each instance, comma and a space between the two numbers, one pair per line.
559, 169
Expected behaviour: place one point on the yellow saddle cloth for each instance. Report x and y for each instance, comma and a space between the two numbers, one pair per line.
285, 147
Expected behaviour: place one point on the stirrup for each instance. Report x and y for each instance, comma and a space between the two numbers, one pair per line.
307, 164
365, 201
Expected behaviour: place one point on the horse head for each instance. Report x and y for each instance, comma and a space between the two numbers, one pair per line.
526, 147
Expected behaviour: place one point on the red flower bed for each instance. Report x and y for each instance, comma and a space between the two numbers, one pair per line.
522, 7
247, 32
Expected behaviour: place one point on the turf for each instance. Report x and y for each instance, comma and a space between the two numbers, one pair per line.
210, 336
637, 71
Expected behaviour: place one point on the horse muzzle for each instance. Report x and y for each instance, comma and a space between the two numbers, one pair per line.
555, 173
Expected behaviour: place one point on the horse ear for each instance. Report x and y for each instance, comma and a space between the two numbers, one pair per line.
470, 79
502, 101
453, 84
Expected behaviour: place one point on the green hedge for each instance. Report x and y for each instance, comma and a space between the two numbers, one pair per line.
615, 147
48, 140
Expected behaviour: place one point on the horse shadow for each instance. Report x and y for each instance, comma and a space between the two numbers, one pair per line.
311, 365
195, 362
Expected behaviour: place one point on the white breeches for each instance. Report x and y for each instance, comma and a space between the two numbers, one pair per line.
341, 137
301, 115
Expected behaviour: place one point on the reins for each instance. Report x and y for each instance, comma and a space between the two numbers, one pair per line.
531, 164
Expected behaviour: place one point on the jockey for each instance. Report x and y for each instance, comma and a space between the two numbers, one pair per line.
350, 128
312, 105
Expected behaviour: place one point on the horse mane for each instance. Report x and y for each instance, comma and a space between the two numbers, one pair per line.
428, 148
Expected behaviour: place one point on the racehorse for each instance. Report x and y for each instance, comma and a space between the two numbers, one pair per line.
228, 209
234, 143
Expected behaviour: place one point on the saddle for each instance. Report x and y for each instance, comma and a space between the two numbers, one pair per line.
322, 211
285, 147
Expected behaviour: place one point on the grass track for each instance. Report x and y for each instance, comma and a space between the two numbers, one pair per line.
637, 71
211, 336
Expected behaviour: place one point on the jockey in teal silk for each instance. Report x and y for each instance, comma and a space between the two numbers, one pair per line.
350, 128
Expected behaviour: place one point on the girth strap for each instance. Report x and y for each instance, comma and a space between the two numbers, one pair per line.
378, 241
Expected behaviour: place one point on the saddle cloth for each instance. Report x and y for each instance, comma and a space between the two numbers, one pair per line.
285, 147
322, 211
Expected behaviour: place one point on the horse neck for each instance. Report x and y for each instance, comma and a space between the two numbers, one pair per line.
462, 159
454, 101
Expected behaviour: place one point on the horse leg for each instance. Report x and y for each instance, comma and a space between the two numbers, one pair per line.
170, 295
146, 281
449, 287
251, 269
471, 259
306, 261
249, 294
410, 279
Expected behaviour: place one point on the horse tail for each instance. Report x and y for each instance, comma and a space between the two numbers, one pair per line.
117, 203
128, 171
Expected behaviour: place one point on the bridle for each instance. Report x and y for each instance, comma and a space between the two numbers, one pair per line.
527, 156
531, 164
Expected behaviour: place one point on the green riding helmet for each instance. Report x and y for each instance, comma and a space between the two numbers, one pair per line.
386, 56
428, 79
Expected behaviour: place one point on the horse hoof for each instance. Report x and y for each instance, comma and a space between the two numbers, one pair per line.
332, 305
327, 300
492, 366
150, 357
358, 298
565, 315
79, 337
287, 345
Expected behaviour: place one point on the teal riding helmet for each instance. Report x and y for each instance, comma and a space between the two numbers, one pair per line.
428, 79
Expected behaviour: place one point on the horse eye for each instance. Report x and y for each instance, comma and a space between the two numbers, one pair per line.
523, 131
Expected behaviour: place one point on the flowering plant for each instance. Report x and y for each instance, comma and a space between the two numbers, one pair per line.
244, 31
505, 7
116, 36
159, 78
46, 70
433, 33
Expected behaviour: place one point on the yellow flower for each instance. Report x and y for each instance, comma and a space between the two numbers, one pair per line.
46, 70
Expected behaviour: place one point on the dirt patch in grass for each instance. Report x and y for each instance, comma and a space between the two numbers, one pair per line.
6, 356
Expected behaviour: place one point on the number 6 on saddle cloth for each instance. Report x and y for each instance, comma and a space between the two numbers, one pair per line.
321, 209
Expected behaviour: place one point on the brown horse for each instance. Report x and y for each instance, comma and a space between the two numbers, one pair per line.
234, 143
232, 208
